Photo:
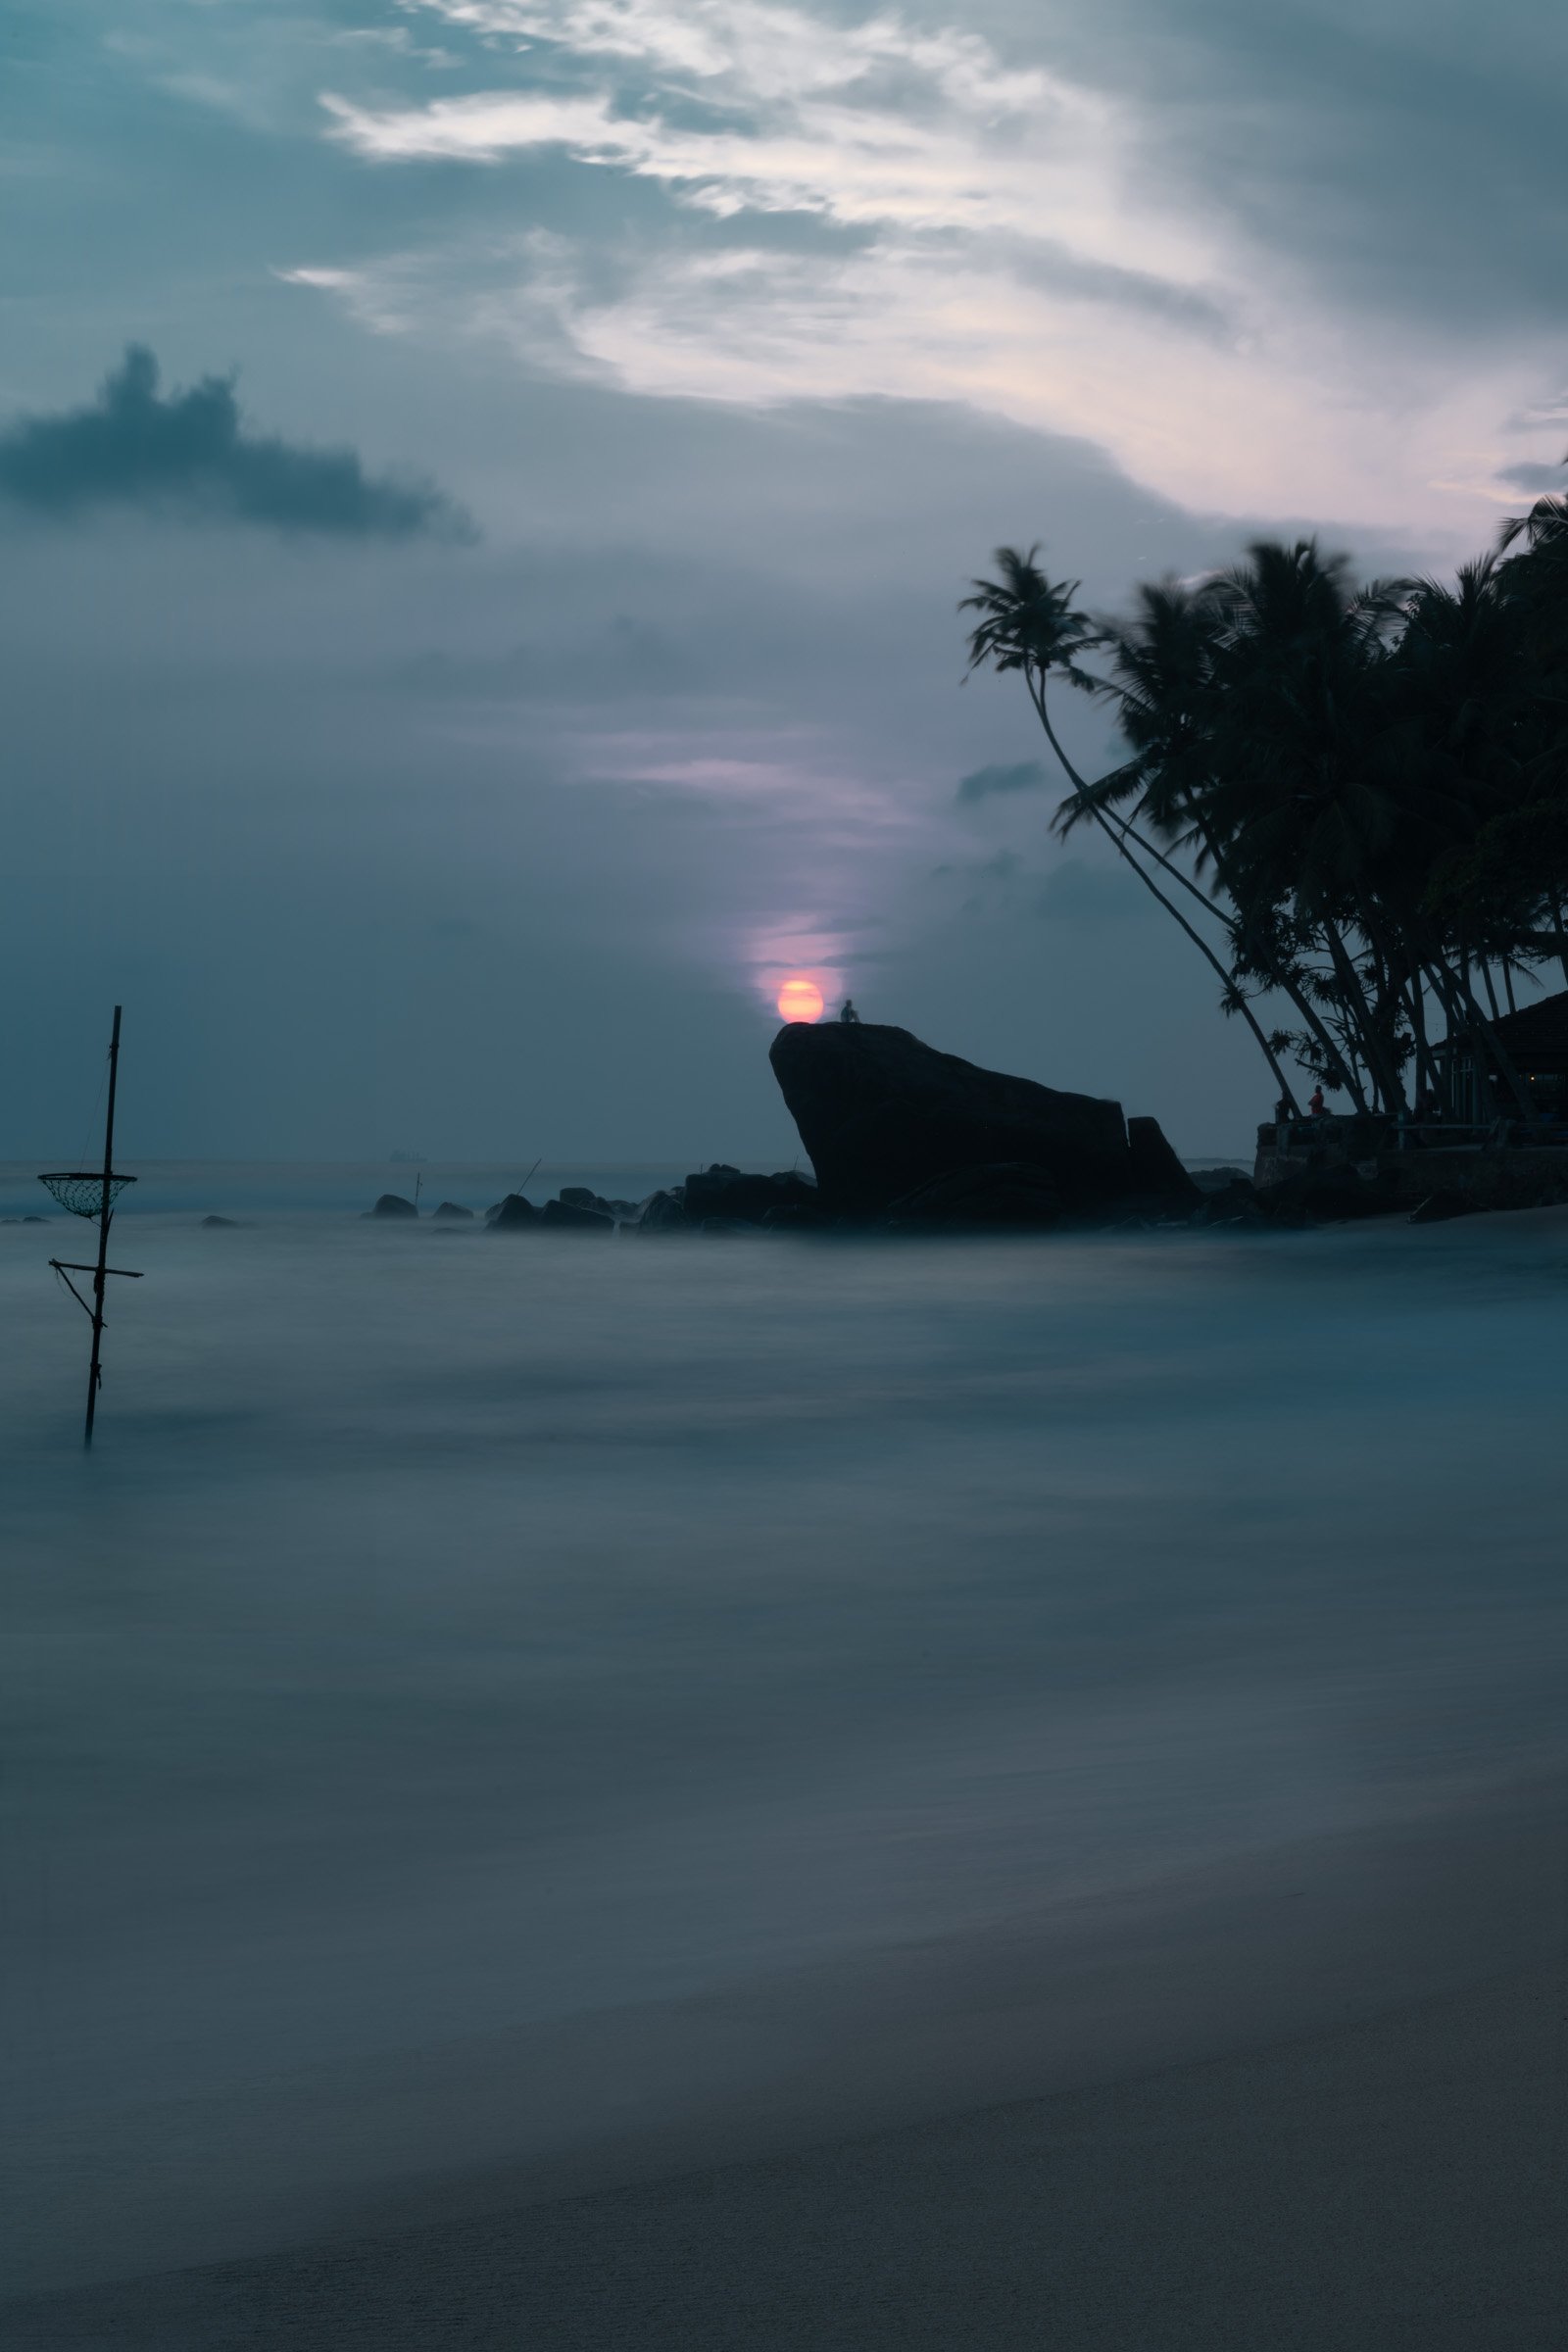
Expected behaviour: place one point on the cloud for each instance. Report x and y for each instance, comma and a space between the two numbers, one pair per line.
190, 453
1094, 225
1025, 775
1531, 476
1074, 892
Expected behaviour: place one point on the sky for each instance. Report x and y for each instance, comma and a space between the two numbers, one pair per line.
485, 487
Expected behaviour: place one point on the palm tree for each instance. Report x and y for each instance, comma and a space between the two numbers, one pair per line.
1162, 679
1034, 625
1365, 788
1294, 801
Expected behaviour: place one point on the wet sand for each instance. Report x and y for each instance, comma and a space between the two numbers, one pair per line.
1394, 2184
1391, 2180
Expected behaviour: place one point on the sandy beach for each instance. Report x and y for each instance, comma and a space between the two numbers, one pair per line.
1397, 2184
1368, 2154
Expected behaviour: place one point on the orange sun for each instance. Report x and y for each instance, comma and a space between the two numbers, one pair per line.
799, 1000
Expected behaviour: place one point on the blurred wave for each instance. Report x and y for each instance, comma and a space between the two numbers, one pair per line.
457, 1636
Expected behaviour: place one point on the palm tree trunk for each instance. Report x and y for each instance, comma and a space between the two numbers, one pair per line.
1454, 989
1426, 1068
1281, 980
1233, 994
1492, 994
1374, 1051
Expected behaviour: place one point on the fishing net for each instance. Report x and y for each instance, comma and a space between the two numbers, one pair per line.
84, 1194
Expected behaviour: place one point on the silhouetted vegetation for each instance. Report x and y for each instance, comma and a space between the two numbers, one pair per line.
1353, 800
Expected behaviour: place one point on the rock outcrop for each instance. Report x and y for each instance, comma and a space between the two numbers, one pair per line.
1010, 1193
393, 1204
884, 1116
454, 1212
1156, 1172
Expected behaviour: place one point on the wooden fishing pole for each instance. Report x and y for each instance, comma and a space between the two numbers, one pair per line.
85, 1196
106, 1212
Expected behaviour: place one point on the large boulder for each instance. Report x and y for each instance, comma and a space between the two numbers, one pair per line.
1010, 1193
393, 1204
882, 1115
1156, 1172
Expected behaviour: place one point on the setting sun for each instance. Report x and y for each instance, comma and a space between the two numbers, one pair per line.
799, 1000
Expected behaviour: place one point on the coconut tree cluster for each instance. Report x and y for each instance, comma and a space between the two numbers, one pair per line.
1352, 798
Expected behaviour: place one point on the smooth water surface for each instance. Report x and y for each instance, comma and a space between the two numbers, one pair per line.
463, 1649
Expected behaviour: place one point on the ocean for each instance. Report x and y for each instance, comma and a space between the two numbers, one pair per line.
506, 1705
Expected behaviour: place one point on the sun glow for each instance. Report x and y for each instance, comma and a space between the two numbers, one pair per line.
799, 1000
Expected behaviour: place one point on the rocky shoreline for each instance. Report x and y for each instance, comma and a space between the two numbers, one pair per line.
912, 1141
906, 1140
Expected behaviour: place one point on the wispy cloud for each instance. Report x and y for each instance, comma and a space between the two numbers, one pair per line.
749, 109
190, 453
887, 209
984, 783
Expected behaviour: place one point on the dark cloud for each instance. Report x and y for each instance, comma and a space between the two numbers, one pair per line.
1408, 155
982, 783
1078, 893
1055, 269
1530, 474
190, 452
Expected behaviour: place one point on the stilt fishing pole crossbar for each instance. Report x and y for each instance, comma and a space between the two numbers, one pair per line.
92, 1194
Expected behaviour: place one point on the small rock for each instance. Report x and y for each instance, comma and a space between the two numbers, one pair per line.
565, 1217
230, 1223
393, 1204
512, 1214
721, 1191
453, 1209
1233, 1204
664, 1212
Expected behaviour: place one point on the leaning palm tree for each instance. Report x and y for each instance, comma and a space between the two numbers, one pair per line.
1163, 676
1035, 626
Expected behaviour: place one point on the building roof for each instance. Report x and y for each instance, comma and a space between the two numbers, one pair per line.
1537, 1032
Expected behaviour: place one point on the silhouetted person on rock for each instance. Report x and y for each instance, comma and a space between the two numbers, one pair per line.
849, 1012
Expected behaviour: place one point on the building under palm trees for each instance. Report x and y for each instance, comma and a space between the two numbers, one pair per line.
1536, 1040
